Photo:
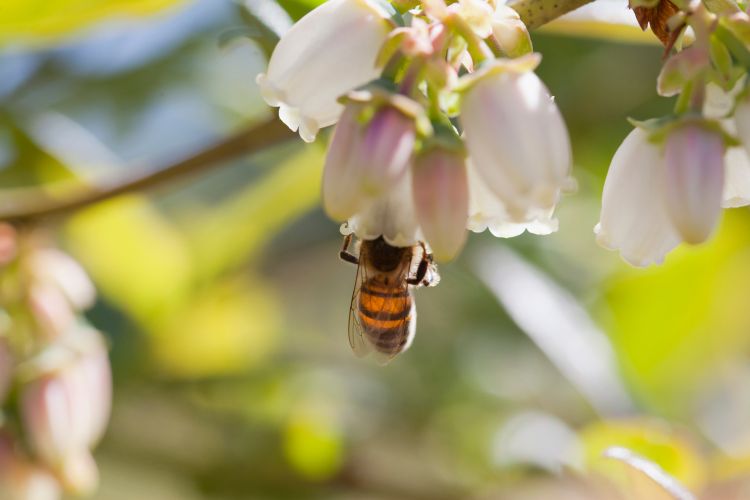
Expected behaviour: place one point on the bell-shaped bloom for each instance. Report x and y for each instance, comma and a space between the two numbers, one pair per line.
330, 51
65, 409
367, 157
516, 136
486, 211
441, 197
694, 170
634, 217
22, 480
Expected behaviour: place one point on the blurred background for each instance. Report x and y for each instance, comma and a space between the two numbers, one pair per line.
226, 306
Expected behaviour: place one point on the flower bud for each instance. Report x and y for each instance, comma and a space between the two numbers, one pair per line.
694, 182
65, 410
441, 197
328, 52
510, 32
22, 480
680, 69
386, 149
516, 138
53, 267
342, 174
366, 158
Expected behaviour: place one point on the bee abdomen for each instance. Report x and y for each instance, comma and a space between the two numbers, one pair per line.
386, 318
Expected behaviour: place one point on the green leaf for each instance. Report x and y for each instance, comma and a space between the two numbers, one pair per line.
235, 231
136, 257
650, 440
45, 21
673, 325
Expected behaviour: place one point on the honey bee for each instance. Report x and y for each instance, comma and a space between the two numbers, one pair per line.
382, 314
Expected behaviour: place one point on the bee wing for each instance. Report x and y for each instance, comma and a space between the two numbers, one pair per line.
357, 340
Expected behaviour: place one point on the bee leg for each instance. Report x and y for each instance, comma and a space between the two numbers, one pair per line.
344, 254
419, 276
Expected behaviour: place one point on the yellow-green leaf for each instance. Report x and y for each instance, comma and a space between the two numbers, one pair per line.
44, 21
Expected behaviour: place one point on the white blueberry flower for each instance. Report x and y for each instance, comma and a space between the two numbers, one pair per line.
441, 196
516, 136
327, 53
658, 195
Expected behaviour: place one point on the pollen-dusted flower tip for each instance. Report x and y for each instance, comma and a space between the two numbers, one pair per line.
441, 197
370, 152
694, 170
330, 51
634, 217
516, 137
65, 410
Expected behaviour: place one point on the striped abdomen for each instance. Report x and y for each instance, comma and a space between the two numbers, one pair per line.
387, 316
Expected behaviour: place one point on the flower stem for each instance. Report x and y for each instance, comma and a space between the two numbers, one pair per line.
21, 206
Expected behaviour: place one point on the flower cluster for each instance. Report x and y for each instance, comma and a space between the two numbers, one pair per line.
55, 381
670, 178
441, 123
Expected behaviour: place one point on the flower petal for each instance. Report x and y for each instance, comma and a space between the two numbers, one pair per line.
310, 68
694, 159
486, 211
441, 195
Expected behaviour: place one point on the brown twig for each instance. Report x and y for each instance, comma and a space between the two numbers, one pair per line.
21, 206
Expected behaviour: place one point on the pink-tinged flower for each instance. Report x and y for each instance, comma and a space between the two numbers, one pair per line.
694, 168
22, 480
441, 196
330, 51
367, 157
65, 409
516, 137
634, 217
